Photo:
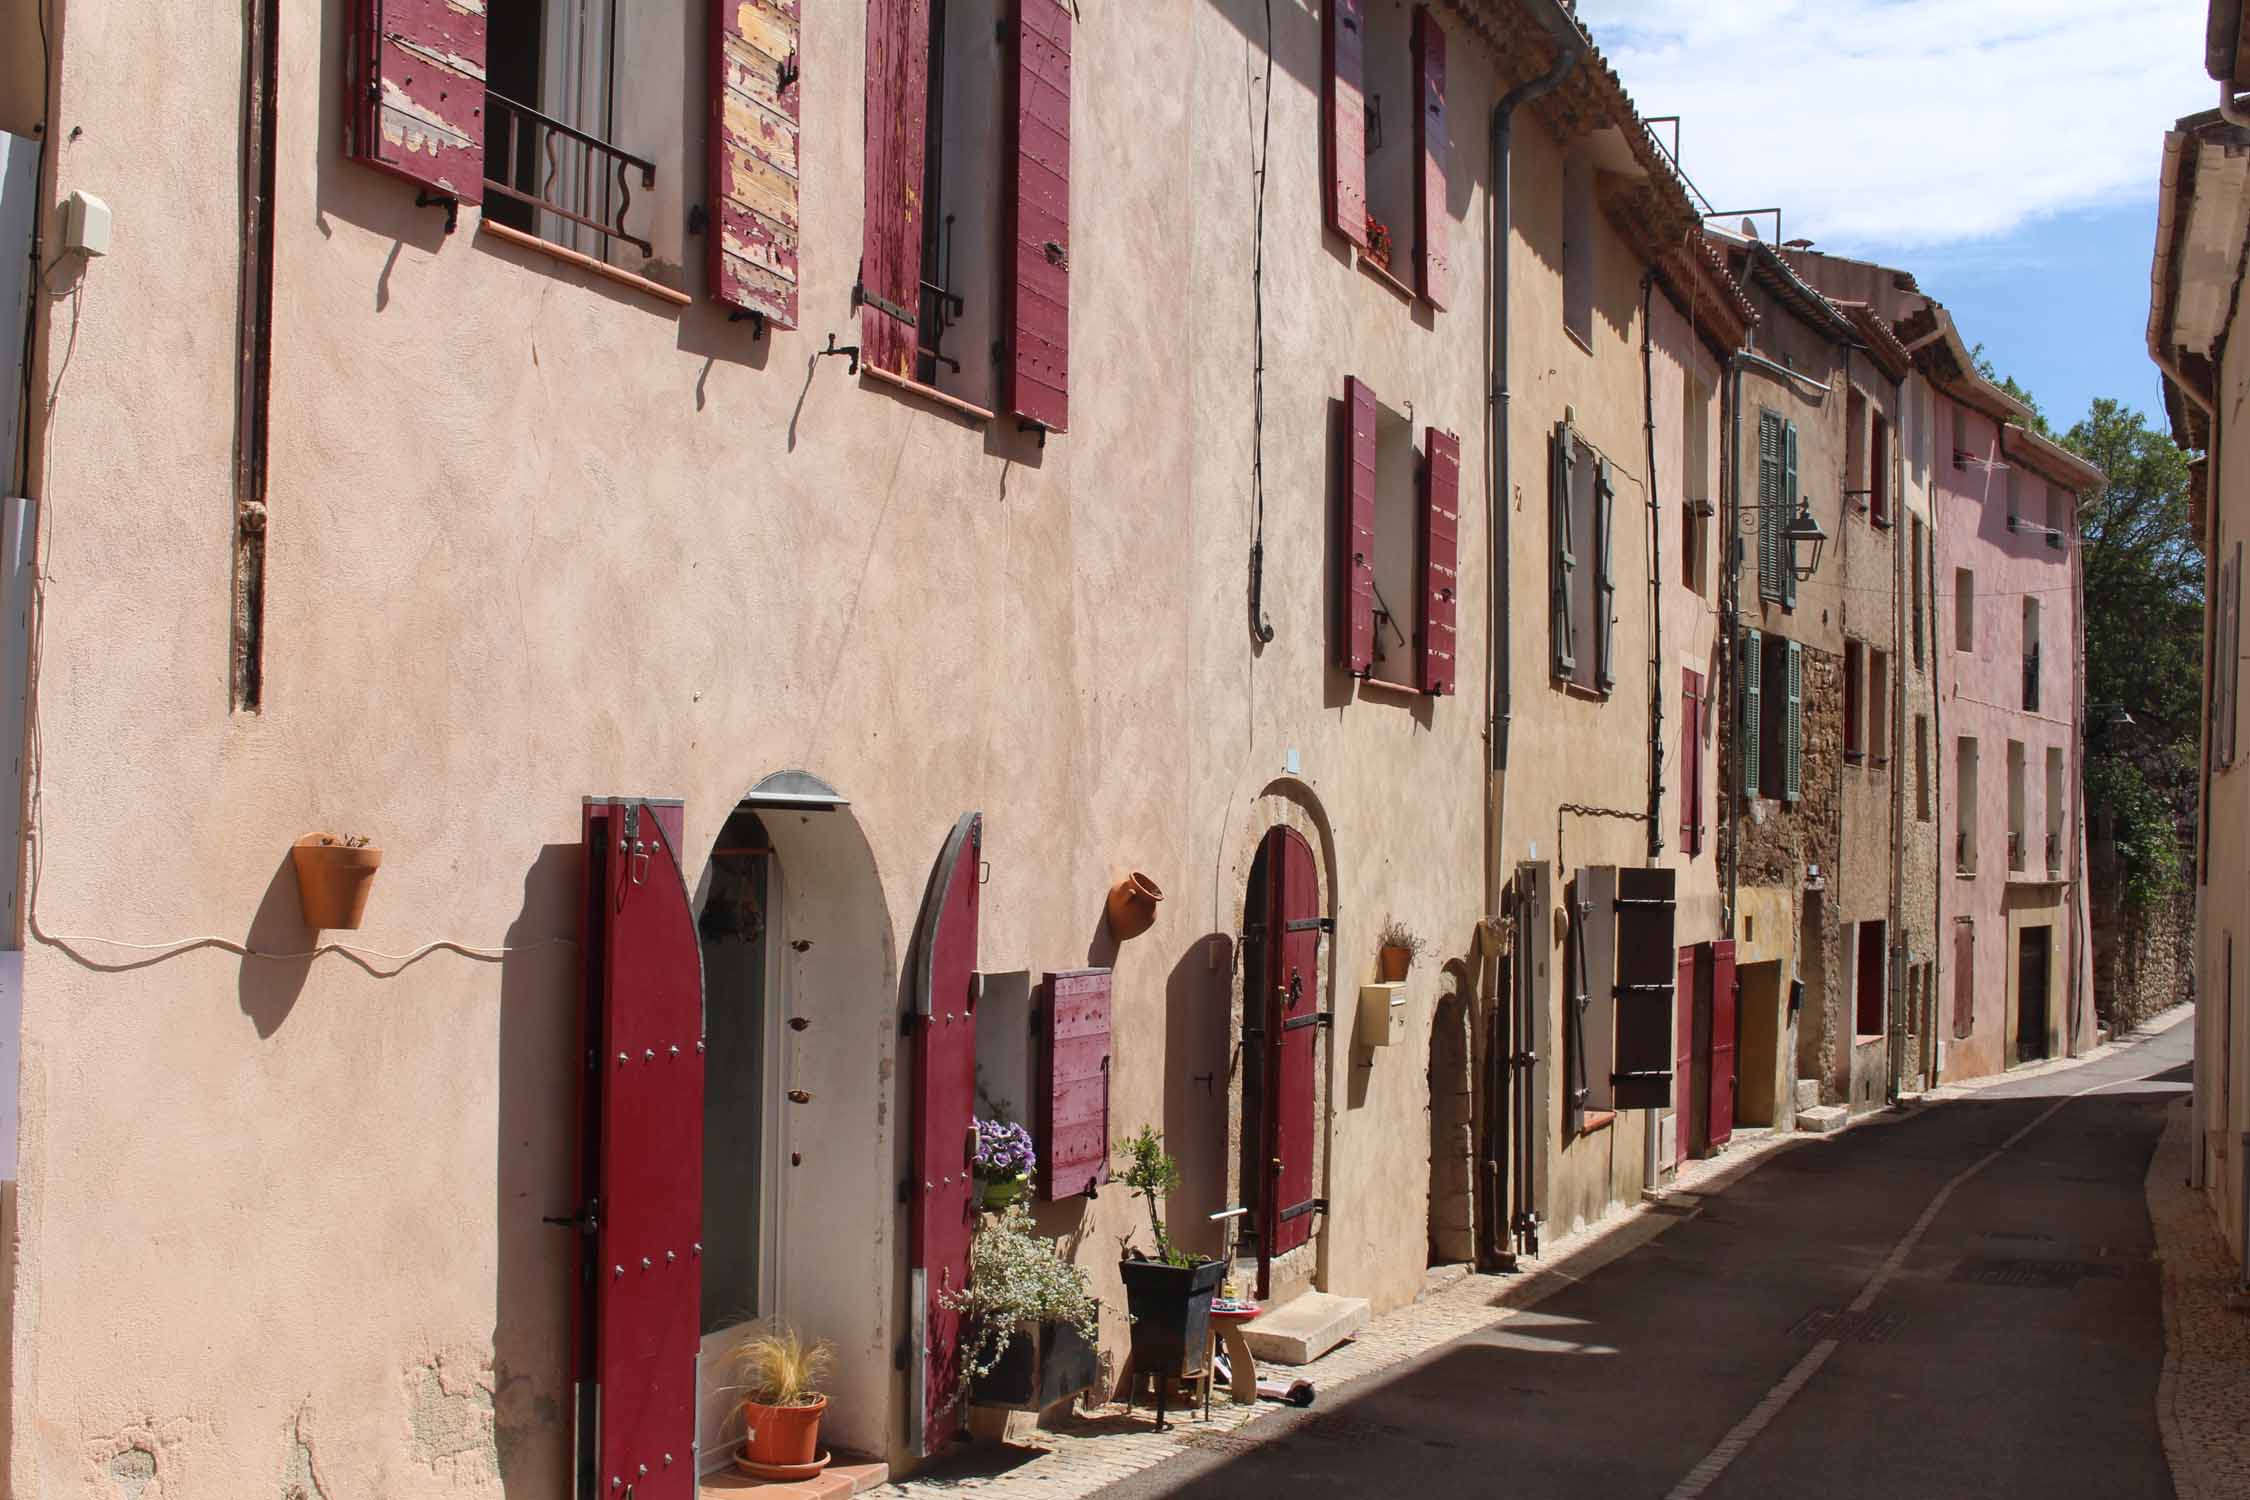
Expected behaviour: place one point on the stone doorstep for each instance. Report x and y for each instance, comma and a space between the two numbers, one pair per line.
1305, 1329
1808, 1093
839, 1481
1823, 1119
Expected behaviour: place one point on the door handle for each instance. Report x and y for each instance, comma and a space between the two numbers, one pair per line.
800, 1096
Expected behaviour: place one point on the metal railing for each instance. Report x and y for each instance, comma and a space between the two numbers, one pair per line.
2015, 849
2054, 852
1964, 854
558, 169
2031, 681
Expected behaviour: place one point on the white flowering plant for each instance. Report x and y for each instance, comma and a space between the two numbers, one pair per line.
1016, 1276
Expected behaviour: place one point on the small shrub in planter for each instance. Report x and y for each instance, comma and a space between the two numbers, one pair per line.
779, 1376
1168, 1296
1401, 945
1030, 1326
1005, 1161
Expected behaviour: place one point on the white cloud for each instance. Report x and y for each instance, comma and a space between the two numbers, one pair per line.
1912, 122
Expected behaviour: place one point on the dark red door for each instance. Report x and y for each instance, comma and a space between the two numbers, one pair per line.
1292, 1027
1683, 1062
1722, 1042
944, 1144
637, 1321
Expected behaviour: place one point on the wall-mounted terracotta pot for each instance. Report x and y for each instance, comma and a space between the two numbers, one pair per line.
333, 879
1395, 962
1132, 905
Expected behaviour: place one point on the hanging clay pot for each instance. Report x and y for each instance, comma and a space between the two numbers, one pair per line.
333, 879
1395, 962
1132, 905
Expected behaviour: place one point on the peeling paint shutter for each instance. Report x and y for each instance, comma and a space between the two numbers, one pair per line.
752, 236
1784, 570
1691, 763
1722, 1042
1441, 560
1769, 501
1565, 562
1355, 629
890, 267
942, 1190
1344, 47
1605, 585
1646, 920
1793, 744
637, 1322
1751, 694
1073, 1093
1431, 149
415, 92
1575, 1001
1038, 354
1534, 942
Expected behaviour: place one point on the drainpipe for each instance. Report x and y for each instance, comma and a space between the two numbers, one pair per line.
1655, 581
1895, 699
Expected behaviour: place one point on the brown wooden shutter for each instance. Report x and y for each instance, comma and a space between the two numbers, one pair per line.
1441, 559
1431, 149
1691, 763
1037, 367
1355, 631
1344, 50
415, 93
1964, 979
752, 236
1723, 995
1645, 976
1073, 1083
890, 266
1597, 914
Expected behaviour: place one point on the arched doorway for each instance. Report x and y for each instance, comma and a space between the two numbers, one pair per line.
1452, 1134
1280, 1165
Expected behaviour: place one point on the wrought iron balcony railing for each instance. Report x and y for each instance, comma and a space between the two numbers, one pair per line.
558, 169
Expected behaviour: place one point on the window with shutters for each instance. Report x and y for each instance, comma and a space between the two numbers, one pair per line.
1750, 723
1777, 492
1855, 723
1922, 767
1919, 538
1782, 700
1582, 545
2016, 808
1858, 469
1591, 1016
1578, 224
2057, 808
1878, 707
1399, 535
2031, 654
2059, 507
1879, 469
1965, 805
1691, 763
1965, 450
1697, 484
1386, 140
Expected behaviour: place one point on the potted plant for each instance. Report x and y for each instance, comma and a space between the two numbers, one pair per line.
1030, 1328
1401, 944
1004, 1161
334, 872
779, 1376
1169, 1295
1379, 242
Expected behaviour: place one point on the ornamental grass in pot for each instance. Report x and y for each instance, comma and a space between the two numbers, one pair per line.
1030, 1327
779, 1376
1168, 1295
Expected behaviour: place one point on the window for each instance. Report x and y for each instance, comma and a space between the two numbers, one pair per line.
1855, 726
1922, 767
1386, 140
1879, 707
2030, 654
1916, 549
1578, 220
1696, 485
1691, 763
1750, 726
1855, 449
1965, 805
1964, 977
1869, 988
1965, 451
2058, 516
1581, 515
1879, 469
1399, 542
1777, 489
2057, 807
1781, 721
1964, 610
2015, 805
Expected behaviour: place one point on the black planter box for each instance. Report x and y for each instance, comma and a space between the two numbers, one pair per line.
1171, 1308
1044, 1363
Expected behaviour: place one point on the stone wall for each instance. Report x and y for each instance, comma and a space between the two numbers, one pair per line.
2144, 957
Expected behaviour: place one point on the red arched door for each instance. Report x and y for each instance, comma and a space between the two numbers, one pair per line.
1289, 1013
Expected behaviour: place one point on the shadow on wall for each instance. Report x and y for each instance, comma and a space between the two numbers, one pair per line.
1197, 994
268, 987
362, 195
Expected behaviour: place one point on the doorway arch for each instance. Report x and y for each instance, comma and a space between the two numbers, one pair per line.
1452, 1132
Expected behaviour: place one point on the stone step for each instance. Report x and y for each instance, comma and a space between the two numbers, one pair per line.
1808, 1093
839, 1481
1823, 1119
1305, 1328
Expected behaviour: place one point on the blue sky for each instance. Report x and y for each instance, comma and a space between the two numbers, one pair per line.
2004, 151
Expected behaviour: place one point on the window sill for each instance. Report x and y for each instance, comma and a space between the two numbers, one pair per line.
1597, 1119
509, 234
929, 393
1882, 522
1393, 689
1580, 691
1583, 341
1382, 275
1855, 757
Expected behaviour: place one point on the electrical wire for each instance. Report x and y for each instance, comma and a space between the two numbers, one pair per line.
1261, 626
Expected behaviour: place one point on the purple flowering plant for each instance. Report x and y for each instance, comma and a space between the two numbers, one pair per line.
1004, 1151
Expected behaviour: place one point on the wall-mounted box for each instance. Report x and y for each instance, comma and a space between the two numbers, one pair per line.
1382, 1015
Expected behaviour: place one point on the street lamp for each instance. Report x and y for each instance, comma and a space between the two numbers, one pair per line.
1805, 539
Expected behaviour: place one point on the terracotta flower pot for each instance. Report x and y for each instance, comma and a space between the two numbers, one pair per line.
781, 1437
1132, 905
1396, 961
333, 880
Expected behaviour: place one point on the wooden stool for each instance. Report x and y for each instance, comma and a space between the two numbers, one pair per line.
1226, 1328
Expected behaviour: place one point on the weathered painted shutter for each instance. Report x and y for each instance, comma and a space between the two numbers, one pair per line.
1343, 49
1793, 724
637, 1321
1751, 695
1431, 150
1854, 744
1769, 502
890, 264
752, 235
1534, 944
1722, 1041
1073, 1084
1598, 885
1441, 560
1292, 1035
1605, 583
1037, 363
943, 1191
1683, 1054
1784, 558
415, 92
1964, 978
1355, 627
1691, 763
1575, 1003
1646, 912
1564, 560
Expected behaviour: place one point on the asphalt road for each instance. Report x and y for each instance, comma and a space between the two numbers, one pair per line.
1896, 1312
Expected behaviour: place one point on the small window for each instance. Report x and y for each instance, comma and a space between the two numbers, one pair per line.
1964, 438
2012, 482
1879, 469
963, 189
1697, 487
1965, 805
2058, 516
1691, 763
2015, 804
2030, 654
1964, 977
1922, 768
1855, 726
1964, 610
2057, 808
1855, 449
1578, 220
1388, 80
1879, 707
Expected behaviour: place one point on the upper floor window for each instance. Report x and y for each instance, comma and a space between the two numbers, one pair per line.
1385, 140
1964, 610
1581, 526
1399, 539
2058, 516
1696, 508
1777, 492
1578, 220
1879, 469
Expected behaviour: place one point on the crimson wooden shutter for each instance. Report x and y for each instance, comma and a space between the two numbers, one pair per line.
1691, 763
1441, 560
1073, 1083
1722, 1041
1431, 149
752, 235
1645, 997
943, 1193
1683, 1055
1345, 136
890, 265
414, 92
1355, 630
1037, 367
638, 1320
1292, 1024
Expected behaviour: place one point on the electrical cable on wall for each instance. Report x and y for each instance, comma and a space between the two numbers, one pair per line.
1260, 626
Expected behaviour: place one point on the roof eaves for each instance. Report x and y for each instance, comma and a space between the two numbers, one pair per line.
1883, 347
2052, 461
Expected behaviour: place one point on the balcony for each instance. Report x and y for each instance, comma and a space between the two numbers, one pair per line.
2031, 682
560, 183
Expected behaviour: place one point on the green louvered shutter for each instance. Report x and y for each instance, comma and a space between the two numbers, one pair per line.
1605, 588
1769, 499
1793, 772
1565, 562
1782, 559
1750, 694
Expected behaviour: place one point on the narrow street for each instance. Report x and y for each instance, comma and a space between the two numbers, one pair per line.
1960, 1303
